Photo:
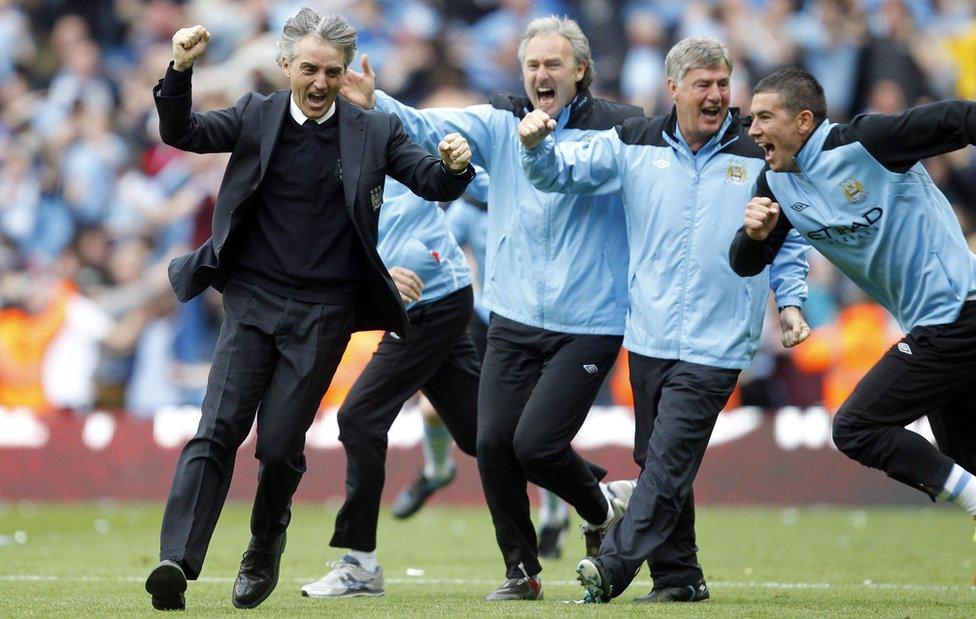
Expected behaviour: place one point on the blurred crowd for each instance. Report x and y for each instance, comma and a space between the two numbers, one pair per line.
93, 205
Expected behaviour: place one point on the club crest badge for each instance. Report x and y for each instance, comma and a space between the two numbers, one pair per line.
854, 191
376, 196
736, 173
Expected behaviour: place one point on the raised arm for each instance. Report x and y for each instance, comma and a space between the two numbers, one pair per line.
426, 127
763, 232
589, 167
180, 127
899, 141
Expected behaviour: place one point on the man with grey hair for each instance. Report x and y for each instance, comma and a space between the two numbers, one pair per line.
294, 253
693, 324
555, 284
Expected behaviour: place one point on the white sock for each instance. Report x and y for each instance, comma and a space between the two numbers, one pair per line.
367, 560
960, 488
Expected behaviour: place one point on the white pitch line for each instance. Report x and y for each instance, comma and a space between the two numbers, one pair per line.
421, 581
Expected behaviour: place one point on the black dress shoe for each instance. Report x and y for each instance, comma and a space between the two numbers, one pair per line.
258, 575
166, 584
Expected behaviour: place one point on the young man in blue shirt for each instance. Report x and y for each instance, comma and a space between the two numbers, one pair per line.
859, 194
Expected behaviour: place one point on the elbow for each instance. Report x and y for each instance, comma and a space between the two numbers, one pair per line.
176, 139
744, 266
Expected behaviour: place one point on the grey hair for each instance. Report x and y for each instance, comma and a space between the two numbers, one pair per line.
569, 30
696, 53
331, 28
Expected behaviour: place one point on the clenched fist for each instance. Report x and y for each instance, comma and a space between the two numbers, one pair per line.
534, 128
188, 45
455, 152
761, 217
794, 326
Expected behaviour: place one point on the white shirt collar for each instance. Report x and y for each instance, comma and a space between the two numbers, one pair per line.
300, 118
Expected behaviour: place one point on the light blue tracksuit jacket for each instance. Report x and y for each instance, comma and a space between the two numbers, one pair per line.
864, 201
413, 234
554, 262
683, 210
467, 217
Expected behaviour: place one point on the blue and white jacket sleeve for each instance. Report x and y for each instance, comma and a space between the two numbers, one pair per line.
788, 272
590, 167
427, 127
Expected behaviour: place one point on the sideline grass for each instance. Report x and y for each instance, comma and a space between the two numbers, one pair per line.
91, 560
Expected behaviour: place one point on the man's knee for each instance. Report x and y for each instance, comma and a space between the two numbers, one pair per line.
279, 453
533, 453
491, 445
467, 444
848, 432
355, 429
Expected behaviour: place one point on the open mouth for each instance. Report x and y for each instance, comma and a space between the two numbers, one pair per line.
546, 96
769, 148
711, 112
316, 99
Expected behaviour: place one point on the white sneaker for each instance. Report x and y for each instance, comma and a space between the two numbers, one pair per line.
347, 579
618, 494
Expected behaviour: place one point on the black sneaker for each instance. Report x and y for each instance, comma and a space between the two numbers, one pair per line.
525, 588
166, 584
551, 538
590, 574
258, 575
688, 593
416, 494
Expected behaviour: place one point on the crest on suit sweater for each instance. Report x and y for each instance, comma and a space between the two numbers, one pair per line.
376, 196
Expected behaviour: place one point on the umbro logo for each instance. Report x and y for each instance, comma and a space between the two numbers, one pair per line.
799, 206
590, 368
902, 346
660, 164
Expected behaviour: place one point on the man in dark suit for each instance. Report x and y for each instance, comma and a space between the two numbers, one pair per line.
294, 253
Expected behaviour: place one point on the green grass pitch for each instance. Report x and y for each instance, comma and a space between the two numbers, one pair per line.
91, 560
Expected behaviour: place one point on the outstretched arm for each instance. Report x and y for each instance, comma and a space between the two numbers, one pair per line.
428, 126
899, 141
589, 167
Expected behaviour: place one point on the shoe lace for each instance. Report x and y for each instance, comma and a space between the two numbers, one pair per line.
342, 572
252, 557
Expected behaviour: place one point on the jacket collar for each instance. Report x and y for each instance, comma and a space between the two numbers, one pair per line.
812, 147
271, 117
726, 134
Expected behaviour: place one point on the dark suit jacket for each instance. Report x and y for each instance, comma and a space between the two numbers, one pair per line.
372, 145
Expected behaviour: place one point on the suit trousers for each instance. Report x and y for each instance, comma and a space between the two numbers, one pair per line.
537, 386
676, 404
274, 359
440, 360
